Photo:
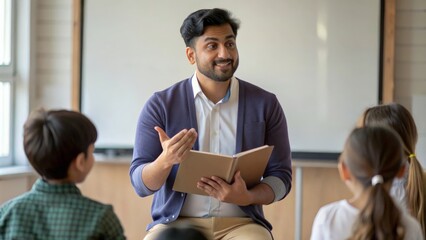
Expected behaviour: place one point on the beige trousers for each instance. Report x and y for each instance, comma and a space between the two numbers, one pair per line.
219, 228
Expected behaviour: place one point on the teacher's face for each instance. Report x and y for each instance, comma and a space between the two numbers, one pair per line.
215, 53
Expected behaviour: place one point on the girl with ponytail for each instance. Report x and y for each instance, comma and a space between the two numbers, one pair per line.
410, 190
372, 157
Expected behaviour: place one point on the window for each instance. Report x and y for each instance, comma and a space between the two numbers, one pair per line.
5, 32
6, 80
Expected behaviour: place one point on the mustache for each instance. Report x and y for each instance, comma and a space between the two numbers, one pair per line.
223, 60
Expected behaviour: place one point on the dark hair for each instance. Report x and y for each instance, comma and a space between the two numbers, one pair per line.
181, 233
369, 152
397, 117
53, 139
194, 25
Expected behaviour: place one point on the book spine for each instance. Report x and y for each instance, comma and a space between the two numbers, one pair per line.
232, 169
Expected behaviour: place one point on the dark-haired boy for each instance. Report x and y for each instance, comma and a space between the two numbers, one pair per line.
59, 145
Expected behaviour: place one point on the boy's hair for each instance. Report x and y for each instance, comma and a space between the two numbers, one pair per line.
375, 151
194, 25
397, 117
53, 139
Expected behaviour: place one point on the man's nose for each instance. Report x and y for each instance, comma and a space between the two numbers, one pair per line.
224, 52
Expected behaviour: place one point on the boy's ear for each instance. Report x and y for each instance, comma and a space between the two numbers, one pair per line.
190, 54
344, 171
79, 162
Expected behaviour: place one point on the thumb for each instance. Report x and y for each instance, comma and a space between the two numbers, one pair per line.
238, 175
161, 134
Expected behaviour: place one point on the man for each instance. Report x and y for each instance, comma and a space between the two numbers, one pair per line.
211, 111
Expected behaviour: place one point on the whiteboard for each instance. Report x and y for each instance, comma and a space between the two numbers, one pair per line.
320, 57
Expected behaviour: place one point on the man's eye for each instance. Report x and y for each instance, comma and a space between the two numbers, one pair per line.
211, 46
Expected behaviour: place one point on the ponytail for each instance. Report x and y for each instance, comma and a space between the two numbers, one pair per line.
415, 191
380, 218
374, 156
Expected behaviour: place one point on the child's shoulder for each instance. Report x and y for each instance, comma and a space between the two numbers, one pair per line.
33, 200
19, 203
334, 206
19, 200
92, 203
339, 209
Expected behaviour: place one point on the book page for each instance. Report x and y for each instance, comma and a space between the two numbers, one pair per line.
201, 164
252, 164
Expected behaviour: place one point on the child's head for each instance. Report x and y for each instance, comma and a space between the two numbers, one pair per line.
53, 140
371, 151
373, 156
398, 118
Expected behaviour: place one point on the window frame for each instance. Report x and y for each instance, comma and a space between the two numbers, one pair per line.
7, 75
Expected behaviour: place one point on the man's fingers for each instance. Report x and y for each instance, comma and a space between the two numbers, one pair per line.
161, 134
164, 137
186, 142
180, 143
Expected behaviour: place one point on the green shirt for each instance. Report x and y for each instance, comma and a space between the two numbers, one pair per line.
57, 212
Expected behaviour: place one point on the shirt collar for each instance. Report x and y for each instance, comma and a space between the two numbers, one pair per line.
196, 89
66, 188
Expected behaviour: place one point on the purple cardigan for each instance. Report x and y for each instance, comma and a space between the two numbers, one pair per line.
261, 121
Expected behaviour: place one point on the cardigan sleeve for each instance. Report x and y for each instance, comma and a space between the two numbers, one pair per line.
147, 146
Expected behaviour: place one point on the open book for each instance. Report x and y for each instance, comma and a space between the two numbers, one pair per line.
250, 163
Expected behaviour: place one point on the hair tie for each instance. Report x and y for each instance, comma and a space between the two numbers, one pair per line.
412, 155
376, 179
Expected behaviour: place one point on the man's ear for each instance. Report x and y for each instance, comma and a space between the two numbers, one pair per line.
190, 54
344, 171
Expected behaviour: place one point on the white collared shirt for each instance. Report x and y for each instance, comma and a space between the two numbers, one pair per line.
217, 130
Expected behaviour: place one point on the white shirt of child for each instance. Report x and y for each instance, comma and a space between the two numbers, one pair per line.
334, 221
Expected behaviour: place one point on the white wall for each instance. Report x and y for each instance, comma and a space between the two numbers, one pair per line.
410, 64
53, 53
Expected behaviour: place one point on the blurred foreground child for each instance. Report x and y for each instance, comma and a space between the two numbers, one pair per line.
59, 145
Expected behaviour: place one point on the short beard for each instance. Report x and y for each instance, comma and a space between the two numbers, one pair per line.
210, 73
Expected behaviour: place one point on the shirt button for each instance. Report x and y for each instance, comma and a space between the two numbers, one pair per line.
181, 194
173, 216
167, 220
